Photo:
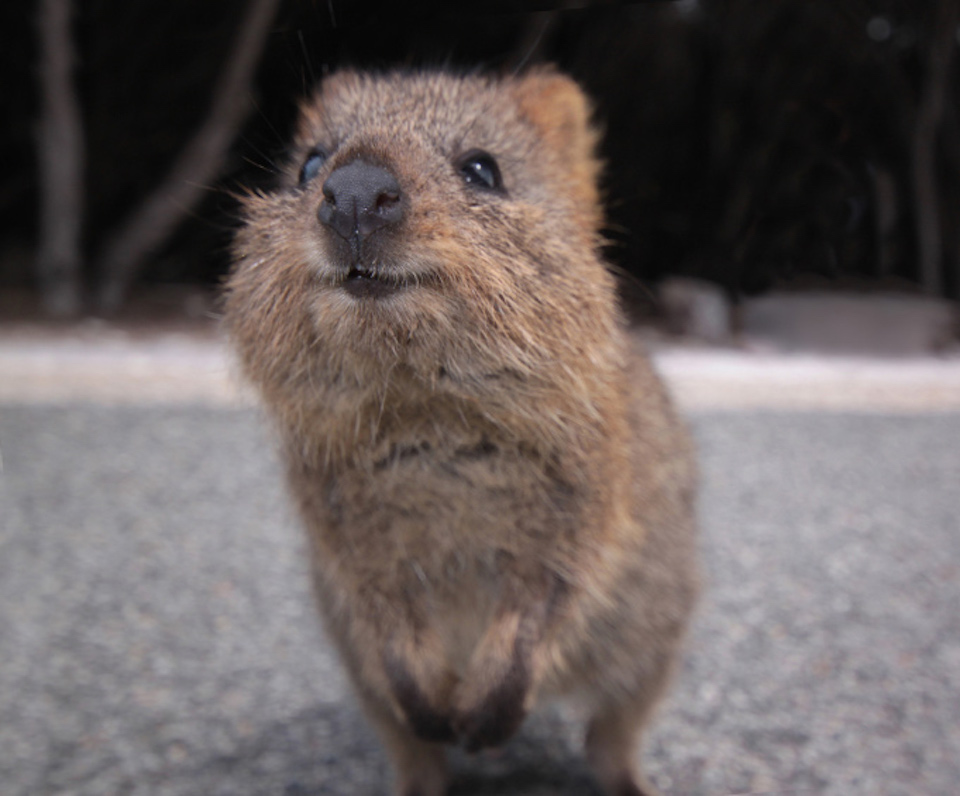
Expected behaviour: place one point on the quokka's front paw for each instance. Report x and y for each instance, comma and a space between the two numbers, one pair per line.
424, 711
486, 714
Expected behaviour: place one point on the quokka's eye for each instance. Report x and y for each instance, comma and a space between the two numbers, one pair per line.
312, 165
480, 169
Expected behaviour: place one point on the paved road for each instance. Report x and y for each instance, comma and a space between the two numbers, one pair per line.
156, 633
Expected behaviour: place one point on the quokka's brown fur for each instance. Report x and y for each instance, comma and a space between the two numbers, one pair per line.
498, 494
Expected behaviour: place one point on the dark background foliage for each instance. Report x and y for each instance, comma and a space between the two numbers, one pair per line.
750, 143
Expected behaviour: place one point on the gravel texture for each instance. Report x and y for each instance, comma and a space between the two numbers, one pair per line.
157, 634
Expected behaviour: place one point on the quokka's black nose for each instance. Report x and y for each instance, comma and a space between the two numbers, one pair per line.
359, 199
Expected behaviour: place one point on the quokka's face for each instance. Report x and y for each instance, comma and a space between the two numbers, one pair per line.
420, 208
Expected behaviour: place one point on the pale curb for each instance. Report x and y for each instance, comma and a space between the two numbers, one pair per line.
183, 369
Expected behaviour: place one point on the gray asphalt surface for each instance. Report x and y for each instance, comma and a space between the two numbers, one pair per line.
157, 635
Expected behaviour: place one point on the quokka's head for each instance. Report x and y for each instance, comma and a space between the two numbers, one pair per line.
448, 225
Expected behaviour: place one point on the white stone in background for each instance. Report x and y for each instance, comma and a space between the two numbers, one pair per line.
869, 324
695, 308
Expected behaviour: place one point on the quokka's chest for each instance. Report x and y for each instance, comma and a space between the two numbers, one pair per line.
465, 506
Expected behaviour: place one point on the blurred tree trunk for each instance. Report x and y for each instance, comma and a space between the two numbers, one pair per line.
60, 155
195, 168
940, 46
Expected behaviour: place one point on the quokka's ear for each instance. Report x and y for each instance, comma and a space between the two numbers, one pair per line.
312, 109
561, 112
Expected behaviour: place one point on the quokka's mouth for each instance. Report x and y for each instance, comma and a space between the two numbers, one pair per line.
364, 282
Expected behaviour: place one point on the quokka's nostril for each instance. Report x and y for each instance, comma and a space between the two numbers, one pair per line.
387, 201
